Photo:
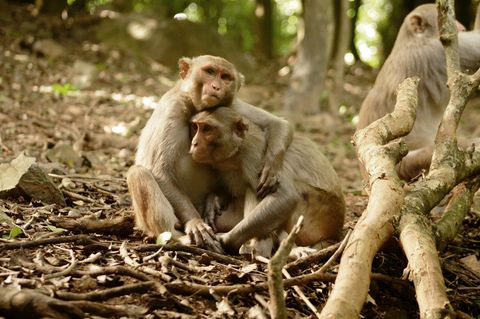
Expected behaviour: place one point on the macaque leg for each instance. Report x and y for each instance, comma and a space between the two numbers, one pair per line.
229, 216
323, 217
256, 246
153, 212
416, 160
270, 213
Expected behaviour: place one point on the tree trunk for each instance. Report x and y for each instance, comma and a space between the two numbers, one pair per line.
342, 39
353, 25
309, 72
264, 22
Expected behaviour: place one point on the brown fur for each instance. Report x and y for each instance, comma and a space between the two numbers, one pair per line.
168, 188
309, 186
418, 52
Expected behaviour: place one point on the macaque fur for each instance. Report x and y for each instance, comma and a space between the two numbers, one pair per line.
419, 52
168, 188
309, 186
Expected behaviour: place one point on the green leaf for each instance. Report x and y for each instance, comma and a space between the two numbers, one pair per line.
15, 232
56, 229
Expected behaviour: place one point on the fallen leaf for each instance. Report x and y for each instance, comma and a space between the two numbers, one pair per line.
11, 173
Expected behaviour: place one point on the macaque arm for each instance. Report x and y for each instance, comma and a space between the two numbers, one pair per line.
176, 137
270, 213
279, 135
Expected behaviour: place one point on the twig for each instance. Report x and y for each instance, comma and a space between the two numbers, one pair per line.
107, 311
314, 258
337, 253
275, 281
190, 249
110, 293
129, 261
116, 270
78, 239
69, 269
78, 196
188, 288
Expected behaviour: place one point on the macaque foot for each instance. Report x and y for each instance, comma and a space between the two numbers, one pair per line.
257, 247
301, 252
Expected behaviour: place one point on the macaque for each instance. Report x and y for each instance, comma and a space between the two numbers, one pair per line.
308, 185
168, 188
419, 52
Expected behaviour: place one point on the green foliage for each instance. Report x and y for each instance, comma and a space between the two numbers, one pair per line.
15, 231
64, 89
56, 229
368, 40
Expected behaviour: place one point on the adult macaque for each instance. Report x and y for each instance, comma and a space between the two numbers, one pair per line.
309, 186
418, 52
168, 188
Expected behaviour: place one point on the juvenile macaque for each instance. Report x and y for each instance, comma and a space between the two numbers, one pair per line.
168, 188
309, 186
419, 52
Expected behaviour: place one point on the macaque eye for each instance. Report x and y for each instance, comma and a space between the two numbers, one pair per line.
206, 128
210, 71
226, 77
193, 128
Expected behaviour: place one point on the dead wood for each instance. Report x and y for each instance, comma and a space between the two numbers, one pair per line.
111, 293
375, 226
388, 203
27, 303
121, 225
275, 282
450, 166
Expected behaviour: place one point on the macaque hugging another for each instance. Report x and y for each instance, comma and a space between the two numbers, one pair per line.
168, 188
235, 146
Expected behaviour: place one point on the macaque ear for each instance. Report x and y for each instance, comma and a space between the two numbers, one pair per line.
184, 65
240, 127
241, 79
461, 27
416, 23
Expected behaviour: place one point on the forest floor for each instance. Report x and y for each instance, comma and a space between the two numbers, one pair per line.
84, 136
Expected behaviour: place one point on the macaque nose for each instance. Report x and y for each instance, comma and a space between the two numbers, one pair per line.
215, 86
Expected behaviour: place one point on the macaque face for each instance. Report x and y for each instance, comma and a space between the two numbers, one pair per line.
209, 81
215, 140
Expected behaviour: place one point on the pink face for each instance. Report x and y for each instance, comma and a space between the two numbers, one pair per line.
218, 85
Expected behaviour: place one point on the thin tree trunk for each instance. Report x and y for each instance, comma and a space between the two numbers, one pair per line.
342, 39
264, 17
309, 72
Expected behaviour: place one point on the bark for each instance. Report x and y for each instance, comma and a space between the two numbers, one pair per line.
450, 166
278, 309
353, 25
264, 15
308, 79
375, 226
456, 210
342, 39
27, 303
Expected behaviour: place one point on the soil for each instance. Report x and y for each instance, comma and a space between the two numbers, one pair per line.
85, 136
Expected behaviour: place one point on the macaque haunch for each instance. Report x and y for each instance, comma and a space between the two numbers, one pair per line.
235, 147
168, 188
419, 52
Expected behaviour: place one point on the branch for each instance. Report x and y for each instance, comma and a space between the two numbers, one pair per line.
449, 167
375, 226
275, 281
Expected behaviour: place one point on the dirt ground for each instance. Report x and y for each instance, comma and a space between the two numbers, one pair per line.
85, 137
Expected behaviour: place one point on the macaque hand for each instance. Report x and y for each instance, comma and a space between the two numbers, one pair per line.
268, 182
213, 208
202, 235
